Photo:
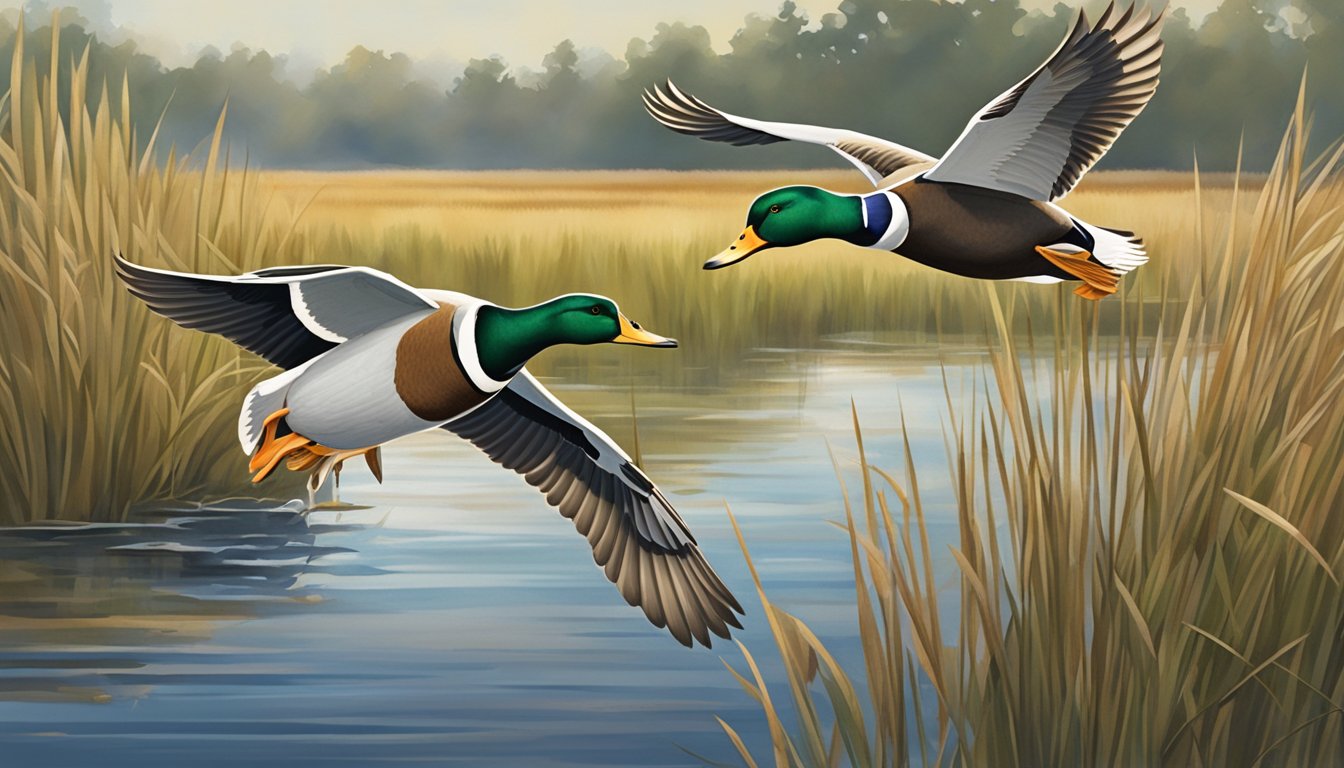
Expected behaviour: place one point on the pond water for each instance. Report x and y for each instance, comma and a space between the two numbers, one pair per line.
457, 619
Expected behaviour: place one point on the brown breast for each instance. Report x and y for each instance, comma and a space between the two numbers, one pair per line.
428, 377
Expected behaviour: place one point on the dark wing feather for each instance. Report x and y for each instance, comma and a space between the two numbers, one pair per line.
1038, 138
287, 315
256, 316
639, 541
686, 114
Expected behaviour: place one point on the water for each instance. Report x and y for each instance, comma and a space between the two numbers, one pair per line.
458, 619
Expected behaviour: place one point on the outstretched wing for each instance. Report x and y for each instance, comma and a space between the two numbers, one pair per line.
1038, 138
637, 538
287, 315
684, 113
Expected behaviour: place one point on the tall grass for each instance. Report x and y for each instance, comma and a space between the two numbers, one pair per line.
102, 404
1150, 532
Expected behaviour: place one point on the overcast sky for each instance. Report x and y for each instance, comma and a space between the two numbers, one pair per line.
320, 32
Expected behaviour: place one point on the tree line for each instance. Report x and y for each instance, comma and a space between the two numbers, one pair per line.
910, 70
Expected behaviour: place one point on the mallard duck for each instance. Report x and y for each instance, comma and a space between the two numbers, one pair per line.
370, 359
985, 209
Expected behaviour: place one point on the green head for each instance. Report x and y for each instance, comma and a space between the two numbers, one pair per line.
792, 216
507, 338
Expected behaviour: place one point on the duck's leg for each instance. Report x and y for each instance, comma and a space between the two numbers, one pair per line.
1098, 281
374, 458
1090, 292
336, 481
320, 476
320, 490
327, 463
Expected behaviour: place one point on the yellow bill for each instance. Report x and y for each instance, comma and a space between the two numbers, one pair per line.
747, 243
631, 333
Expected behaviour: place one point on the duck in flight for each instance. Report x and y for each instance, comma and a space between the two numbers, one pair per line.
986, 208
369, 359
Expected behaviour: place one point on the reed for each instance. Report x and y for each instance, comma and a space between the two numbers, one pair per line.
103, 405
1148, 570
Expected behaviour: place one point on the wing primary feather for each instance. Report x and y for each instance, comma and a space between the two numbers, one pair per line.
690, 602
628, 581
686, 114
611, 532
667, 593
271, 312
1039, 137
612, 568
583, 519
637, 539
648, 589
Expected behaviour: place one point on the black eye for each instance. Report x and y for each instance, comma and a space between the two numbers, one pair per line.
774, 209
596, 310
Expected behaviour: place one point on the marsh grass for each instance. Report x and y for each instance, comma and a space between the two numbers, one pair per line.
102, 404
1150, 539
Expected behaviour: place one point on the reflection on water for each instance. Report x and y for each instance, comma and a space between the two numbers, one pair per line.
456, 618
165, 579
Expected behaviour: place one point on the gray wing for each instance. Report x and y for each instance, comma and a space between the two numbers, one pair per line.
1038, 138
638, 540
684, 113
287, 315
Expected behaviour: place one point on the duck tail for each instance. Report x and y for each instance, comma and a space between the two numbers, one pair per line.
266, 398
1119, 249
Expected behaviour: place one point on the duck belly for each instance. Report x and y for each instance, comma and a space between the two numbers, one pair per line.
981, 233
347, 399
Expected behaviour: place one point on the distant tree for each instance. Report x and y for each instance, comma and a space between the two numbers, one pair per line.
484, 76
370, 107
561, 66
911, 70
1325, 61
269, 116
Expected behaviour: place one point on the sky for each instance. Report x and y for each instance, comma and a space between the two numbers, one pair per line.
443, 32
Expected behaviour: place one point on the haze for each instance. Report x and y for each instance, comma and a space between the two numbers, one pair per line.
449, 32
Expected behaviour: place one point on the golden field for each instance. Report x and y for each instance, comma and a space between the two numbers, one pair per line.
531, 210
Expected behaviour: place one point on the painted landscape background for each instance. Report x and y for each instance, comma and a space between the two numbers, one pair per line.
1069, 533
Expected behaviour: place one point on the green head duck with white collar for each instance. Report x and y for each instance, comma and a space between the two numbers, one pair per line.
791, 216
507, 338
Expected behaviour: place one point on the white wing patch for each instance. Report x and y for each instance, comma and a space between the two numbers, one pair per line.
306, 317
337, 306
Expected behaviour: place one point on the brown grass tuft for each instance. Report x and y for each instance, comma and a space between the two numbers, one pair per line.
102, 404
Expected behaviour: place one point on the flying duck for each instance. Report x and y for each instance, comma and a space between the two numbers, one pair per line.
369, 359
985, 209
